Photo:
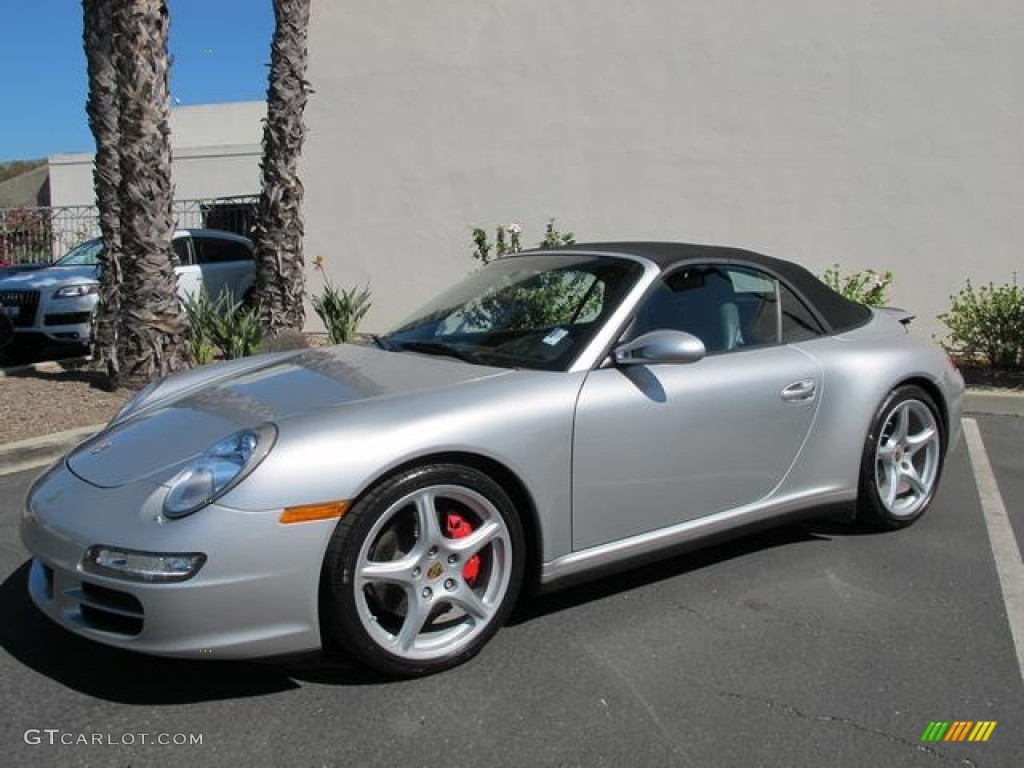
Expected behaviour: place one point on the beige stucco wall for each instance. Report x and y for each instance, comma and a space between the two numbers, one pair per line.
236, 123
873, 134
71, 179
215, 153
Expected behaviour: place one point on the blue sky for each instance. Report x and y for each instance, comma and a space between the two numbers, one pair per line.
221, 49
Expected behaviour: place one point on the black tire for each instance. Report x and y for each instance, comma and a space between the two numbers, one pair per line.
370, 619
900, 474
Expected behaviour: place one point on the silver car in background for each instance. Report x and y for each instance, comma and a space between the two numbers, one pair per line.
555, 416
54, 303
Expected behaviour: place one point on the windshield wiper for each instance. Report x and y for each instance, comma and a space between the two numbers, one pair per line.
439, 348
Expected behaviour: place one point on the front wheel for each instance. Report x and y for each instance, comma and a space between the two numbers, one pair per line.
902, 460
423, 570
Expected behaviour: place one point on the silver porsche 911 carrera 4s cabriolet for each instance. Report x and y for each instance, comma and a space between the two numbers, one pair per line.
556, 415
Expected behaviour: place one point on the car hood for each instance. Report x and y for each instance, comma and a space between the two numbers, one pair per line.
46, 277
14, 269
214, 403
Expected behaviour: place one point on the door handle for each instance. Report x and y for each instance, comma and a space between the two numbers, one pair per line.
800, 390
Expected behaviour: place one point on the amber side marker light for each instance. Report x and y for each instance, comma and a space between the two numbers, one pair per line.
308, 512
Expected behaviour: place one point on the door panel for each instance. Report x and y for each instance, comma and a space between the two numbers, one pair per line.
214, 278
662, 444
224, 263
189, 279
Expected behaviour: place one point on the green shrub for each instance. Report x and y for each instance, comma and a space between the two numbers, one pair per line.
199, 311
867, 287
340, 309
507, 240
224, 324
553, 238
987, 326
237, 330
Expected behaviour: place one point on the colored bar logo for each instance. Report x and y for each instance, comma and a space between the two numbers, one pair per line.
958, 730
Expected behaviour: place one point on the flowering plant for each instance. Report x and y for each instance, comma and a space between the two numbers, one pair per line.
987, 325
507, 240
340, 309
868, 287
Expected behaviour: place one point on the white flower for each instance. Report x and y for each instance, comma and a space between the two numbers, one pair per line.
514, 228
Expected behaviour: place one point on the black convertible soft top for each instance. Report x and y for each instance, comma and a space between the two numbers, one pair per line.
838, 312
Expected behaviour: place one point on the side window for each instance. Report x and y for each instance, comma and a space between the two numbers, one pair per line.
798, 324
757, 305
728, 308
181, 250
214, 250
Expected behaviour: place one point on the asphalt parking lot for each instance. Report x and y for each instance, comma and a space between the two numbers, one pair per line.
818, 645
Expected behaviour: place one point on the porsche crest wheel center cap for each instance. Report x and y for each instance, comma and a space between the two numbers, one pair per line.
434, 571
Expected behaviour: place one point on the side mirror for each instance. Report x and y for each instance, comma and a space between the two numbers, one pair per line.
660, 347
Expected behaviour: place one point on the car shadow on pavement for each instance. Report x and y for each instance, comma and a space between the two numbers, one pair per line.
26, 354
132, 678
543, 603
70, 373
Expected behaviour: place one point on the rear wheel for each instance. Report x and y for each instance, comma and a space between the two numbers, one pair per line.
423, 570
902, 460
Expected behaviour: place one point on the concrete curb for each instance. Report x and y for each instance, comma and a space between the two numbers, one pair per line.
1001, 403
40, 451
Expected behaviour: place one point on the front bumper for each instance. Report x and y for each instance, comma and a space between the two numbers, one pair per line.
64, 320
256, 596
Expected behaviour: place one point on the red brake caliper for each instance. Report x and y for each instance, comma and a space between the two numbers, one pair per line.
458, 528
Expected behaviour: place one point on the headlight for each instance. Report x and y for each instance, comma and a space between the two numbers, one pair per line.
81, 289
218, 470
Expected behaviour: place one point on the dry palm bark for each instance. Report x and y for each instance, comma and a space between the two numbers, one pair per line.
102, 109
280, 276
152, 325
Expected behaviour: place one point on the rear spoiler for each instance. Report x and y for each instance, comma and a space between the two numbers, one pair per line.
900, 315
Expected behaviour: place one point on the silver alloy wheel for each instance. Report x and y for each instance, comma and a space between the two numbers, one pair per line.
411, 593
907, 458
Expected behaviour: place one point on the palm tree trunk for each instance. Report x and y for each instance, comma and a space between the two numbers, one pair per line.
152, 324
102, 108
280, 276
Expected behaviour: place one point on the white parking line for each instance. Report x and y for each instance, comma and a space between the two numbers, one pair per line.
1004, 544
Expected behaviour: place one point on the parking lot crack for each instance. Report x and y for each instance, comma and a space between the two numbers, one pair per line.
679, 757
789, 709
709, 620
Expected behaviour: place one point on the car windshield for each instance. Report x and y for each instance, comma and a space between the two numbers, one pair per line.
85, 255
535, 311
